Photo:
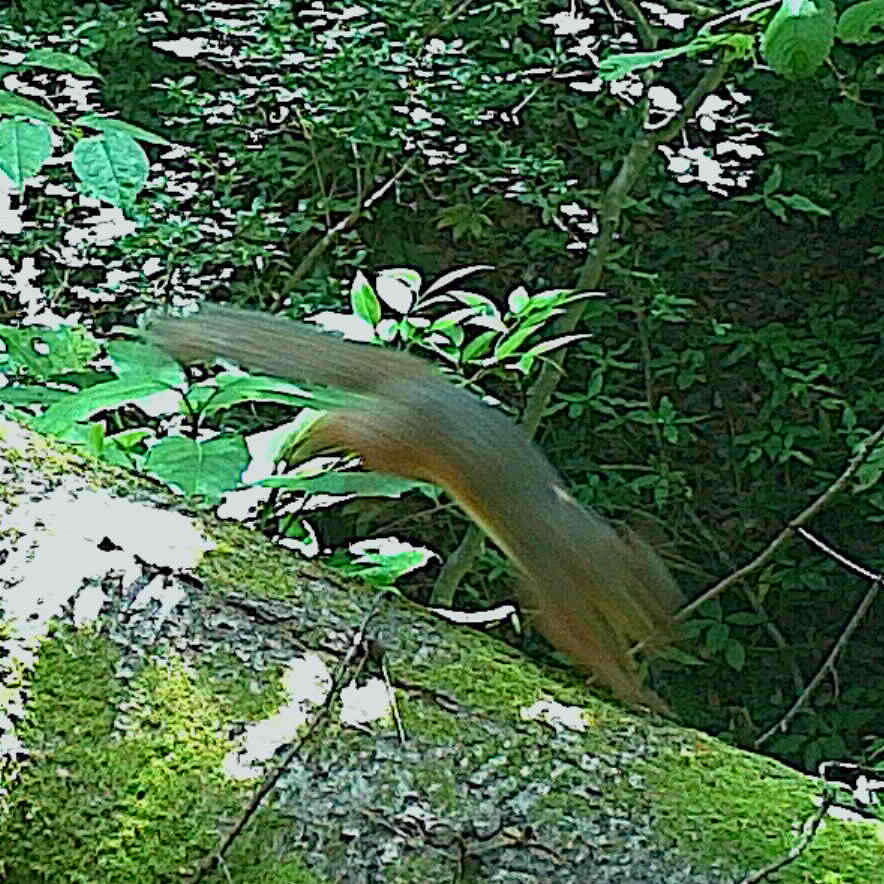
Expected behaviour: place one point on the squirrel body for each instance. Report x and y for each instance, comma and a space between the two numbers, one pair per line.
591, 589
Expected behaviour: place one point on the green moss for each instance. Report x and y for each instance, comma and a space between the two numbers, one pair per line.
241, 699
108, 799
718, 802
146, 802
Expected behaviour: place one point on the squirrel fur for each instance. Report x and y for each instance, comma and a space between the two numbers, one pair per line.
591, 590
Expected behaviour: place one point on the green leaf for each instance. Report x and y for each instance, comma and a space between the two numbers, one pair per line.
206, 469
799, 37
735, 655
862, 22
59, 419
112, 124
363, 300
745, 618
514, 341
803, 204
112, 167
345, 483
61, 61
24, 147
12, 105
717, 637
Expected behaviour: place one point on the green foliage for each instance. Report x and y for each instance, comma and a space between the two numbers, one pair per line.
796, 41
799, 37
861, 23
716, 389
619, 65
208, 467
111, 166
24, 147
780, 204
717, 633
381, 562
831, 729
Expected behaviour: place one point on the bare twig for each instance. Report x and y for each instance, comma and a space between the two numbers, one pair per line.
808, 831
754, 600
308, 261
865, 448
828, 664
338, 683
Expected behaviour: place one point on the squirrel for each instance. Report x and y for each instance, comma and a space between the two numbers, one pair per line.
591, 590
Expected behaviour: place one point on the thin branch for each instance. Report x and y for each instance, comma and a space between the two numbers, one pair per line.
308, 261
631, 167
756, 603
865, 448
808, 831
338, 683
828, 665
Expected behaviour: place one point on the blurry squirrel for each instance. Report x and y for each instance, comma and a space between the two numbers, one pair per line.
590, 589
